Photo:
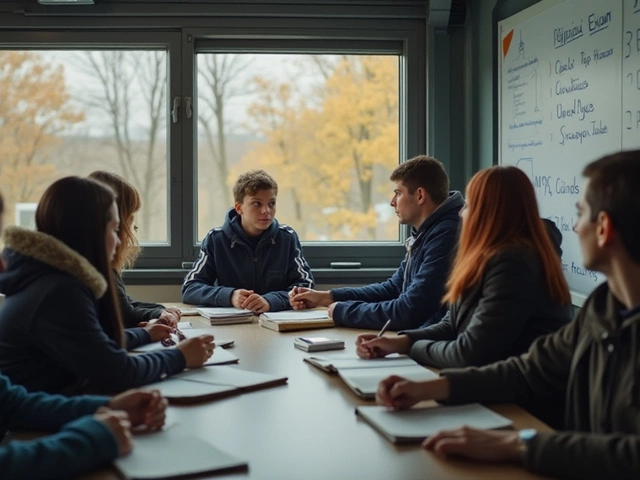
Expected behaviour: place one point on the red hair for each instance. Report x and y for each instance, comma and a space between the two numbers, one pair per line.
502, 212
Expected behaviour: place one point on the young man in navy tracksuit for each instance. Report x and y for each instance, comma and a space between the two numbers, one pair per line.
411, 298
252, 261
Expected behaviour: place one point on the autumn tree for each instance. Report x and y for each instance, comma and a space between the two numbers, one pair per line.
131, 92
333, 152
218, 83
358, 130
280, 115
34, 109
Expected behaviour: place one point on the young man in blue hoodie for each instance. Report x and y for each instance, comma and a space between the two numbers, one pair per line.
252, 261
411, 298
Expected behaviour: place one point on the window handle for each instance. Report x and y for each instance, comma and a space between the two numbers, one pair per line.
175, 109
188, 107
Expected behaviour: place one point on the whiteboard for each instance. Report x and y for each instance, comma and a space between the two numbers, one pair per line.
569, 93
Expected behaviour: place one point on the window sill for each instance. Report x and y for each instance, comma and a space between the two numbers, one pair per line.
322, 276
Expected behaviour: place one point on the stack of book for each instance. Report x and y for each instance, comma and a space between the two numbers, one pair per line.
226, 315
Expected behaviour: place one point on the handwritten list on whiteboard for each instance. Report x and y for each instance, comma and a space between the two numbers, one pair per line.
569, 92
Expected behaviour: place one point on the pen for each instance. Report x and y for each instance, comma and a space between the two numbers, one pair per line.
384, 328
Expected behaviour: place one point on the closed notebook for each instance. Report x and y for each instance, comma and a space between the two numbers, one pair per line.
363, 376
291, 320
210, 383
416, 424
174, 453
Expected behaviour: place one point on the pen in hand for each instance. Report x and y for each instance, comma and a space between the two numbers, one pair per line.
384, 328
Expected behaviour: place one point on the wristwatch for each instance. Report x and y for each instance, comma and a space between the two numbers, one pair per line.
526, 436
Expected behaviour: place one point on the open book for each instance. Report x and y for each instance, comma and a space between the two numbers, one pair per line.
209, 383
295, 320
416, 424
363, 376
226, 315
174, 453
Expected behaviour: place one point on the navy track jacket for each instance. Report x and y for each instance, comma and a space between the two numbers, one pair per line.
228, 262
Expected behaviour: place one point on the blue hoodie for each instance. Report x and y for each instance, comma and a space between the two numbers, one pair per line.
412, 297
228, 262
82, 443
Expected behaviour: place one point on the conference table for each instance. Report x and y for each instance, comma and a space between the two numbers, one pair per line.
307, 429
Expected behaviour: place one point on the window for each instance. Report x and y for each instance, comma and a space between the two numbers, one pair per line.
328, 101
326, 127
73, 112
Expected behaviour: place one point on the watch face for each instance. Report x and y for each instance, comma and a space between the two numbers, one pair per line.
527, 434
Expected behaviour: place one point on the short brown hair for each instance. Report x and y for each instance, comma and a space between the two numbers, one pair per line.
250, 182
426, 172
613, 188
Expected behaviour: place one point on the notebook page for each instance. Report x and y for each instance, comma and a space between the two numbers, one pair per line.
172, 453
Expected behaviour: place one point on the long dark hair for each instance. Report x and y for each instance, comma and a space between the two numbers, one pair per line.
77, 211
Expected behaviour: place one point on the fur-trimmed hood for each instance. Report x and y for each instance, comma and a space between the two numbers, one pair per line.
24, 246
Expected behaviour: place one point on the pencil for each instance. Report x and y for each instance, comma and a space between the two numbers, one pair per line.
384, 328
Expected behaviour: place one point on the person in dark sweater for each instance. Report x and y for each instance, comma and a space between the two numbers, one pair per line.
506, 286
590, 368
60, 325
411, 297
252, 261
91, 430
133, 313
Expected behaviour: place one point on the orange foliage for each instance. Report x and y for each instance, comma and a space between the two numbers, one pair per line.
34, 108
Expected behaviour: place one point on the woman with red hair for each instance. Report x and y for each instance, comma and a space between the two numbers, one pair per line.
506, 286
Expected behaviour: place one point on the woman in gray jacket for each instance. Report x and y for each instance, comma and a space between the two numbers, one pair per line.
506, 287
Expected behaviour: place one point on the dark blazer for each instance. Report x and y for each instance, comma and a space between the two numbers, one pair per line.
497, 318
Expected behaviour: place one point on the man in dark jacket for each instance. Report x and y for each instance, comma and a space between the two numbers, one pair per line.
591, 367
252, 261
411, 298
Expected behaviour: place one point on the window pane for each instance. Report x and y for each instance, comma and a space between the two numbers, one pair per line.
326, 127
72, 112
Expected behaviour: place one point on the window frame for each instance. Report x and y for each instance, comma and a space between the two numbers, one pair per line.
43, 40
362, 29
321, 39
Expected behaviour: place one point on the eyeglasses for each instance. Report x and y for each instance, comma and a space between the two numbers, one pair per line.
170, 342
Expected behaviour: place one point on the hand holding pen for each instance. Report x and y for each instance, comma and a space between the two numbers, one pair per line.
369, 345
